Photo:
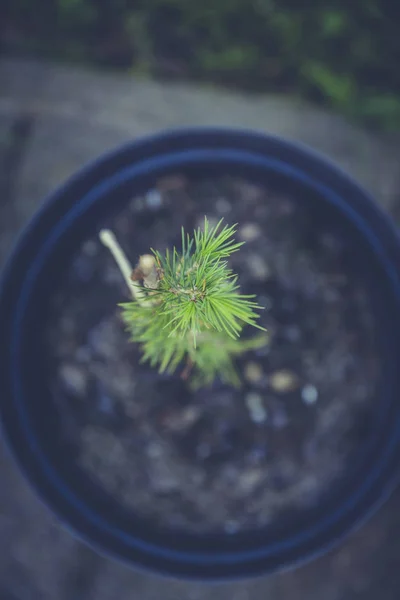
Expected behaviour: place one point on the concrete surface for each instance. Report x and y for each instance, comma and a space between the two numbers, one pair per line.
52, 120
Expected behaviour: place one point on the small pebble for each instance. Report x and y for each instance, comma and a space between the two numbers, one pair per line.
83, 354
122, 225
153, 199
265, 301
74, 379
231, 527
68, 324
309, 394
330, 242
252, 193
285, 207
258, 267
249, 232
288, 304
182, 419
83, 269
163, 481
253, 372
197, 478
136, 205
90, 248
124, 385
229, 474
263, 351
112, 276
222, 206
257, 411
283, 381
103, 340
104, 401
257, 454
292, 333
154, 450
203, 451
279, 418
332, 295
250, 479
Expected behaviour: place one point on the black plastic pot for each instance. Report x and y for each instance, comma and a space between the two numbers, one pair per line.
29, 420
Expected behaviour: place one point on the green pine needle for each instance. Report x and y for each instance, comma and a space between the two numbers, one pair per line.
197, 313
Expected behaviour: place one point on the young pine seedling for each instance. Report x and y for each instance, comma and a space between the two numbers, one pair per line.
186, 310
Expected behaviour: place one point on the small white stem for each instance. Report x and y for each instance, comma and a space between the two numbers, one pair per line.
110, 241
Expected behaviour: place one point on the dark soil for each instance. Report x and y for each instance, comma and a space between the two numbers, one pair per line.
220, 458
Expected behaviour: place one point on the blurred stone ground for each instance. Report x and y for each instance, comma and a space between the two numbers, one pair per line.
52, 120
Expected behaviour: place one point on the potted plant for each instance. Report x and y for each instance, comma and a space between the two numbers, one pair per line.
173, 419
188, 311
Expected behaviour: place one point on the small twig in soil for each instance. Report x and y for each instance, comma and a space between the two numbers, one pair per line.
109, 240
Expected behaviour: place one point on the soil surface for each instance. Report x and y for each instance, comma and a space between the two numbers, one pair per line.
220, 458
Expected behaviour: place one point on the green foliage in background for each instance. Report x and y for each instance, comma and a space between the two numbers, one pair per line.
343, 54
190, 311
